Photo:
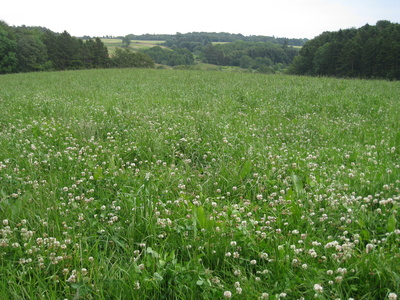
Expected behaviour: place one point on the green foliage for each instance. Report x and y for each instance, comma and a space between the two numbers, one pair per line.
125, 58
8, 57
126, 41
249, 55
31, 53
27, 49
367, 52
170, 57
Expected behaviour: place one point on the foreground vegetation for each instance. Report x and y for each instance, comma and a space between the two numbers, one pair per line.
163, 184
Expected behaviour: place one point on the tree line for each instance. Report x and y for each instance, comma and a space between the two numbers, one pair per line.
191, 39
367, 52
29, 49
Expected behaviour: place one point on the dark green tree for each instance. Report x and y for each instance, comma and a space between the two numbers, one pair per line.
349, 59
246, 62
31, 53
8, 48
125, 58
126, 41
213, 55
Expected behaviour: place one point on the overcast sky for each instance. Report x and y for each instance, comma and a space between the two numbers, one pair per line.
280, 18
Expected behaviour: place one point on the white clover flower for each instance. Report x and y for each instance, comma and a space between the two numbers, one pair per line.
369, 247
392, 296
228, 294
282, 295
318, 288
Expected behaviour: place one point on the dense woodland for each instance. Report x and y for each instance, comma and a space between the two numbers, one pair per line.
367, 52
29, 49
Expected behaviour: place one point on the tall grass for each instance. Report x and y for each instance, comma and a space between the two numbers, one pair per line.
162, 184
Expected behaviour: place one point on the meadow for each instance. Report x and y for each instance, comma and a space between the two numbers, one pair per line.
167, 184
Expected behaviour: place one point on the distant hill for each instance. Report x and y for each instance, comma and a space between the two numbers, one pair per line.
209, 37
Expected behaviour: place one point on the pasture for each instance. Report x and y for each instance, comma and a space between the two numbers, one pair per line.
167, 184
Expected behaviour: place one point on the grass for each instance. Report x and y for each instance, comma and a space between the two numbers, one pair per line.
166, 184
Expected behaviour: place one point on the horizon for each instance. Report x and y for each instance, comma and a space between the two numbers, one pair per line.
289, 19
178, 32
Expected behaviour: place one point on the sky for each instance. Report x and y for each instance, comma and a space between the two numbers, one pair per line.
279, 18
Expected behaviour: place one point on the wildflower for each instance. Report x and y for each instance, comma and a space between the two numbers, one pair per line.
369, 247
227, 294
72, 278
392, 296
137, 285
264, 296
339, 279
318, 288
253, 262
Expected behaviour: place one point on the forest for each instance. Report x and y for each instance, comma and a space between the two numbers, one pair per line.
367, 52
29, 49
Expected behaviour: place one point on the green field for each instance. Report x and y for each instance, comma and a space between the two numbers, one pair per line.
135, 45
166, 184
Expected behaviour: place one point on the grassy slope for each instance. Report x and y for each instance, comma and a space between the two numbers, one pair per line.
187, 184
